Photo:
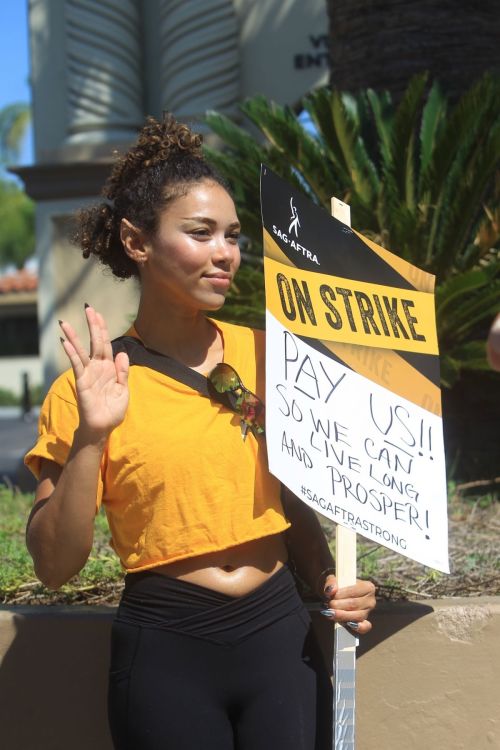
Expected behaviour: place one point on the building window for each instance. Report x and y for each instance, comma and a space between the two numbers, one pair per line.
18, 336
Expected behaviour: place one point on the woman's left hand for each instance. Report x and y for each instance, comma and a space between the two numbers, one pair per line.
351, 605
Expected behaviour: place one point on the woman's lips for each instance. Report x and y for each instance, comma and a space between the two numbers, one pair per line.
219, 281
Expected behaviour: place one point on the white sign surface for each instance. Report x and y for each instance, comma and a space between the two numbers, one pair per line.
355, 451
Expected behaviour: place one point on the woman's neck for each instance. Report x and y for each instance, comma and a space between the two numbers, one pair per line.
188, 338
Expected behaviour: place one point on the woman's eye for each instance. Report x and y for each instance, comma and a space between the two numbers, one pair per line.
200, 232
234, 237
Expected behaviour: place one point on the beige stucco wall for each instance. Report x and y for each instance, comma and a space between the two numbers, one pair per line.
13, 368
427, 677
283, 47
67, 281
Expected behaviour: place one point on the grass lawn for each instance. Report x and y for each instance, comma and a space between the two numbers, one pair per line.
474, 521
96, 583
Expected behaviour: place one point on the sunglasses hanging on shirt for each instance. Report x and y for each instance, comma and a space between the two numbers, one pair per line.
226, 380
223, 383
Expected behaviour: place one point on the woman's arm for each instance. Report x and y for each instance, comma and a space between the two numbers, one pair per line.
59, 533
60, 529
313, 559
306, 542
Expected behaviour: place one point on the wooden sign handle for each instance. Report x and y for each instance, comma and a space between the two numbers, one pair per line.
345, 561
344, 658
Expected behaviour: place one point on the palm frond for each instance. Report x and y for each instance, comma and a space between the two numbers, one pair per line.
433, 118
457, 287
470, 191
420, 180
14, 119
466, 128
383, 117
399, 172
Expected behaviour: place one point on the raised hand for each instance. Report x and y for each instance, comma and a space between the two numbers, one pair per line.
101, 381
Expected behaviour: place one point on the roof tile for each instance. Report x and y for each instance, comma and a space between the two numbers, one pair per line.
20, 281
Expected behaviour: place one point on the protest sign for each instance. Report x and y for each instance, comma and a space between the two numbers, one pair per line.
353, 407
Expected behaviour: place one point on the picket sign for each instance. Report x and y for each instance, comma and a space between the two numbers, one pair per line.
344, 654
381, 472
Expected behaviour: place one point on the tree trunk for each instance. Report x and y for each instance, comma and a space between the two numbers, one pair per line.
381, 45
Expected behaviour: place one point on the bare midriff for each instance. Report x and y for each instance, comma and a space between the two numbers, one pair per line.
235, 571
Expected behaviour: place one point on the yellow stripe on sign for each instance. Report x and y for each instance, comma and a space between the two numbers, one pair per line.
421, 280
272, 250
391, 371
354, 312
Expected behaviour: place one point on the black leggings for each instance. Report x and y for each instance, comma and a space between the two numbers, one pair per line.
192, 668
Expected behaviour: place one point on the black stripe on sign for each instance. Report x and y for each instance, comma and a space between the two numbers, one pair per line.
315, 241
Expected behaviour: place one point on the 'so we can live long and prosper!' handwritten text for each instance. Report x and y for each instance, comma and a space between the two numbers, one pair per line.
353, 407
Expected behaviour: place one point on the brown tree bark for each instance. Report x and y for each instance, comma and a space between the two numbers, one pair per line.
382, 44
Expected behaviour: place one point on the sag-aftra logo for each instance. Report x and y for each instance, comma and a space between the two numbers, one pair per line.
295, 223
293, 228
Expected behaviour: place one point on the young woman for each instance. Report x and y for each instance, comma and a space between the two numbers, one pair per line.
211, 646
493, 344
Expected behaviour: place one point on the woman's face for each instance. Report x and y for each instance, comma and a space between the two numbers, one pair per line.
194, 255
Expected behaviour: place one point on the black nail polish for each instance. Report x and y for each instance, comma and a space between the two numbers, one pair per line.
353, 625
60, 322
61, 340
329, 590
86, 305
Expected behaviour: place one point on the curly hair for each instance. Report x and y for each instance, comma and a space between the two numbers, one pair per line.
166, 158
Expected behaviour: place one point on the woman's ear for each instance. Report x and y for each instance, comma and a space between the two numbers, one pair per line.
133, 241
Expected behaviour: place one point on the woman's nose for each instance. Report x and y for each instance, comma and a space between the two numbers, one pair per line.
225, 250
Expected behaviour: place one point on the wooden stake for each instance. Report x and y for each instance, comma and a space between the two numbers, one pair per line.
344, 656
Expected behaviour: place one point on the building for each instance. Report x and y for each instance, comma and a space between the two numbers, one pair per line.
19, 348
97, 69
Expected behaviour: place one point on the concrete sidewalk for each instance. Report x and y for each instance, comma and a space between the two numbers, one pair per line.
17, 435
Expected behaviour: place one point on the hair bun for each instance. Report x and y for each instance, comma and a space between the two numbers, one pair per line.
157, 142
158, 168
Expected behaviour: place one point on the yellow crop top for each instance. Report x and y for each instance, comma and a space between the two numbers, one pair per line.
176, 478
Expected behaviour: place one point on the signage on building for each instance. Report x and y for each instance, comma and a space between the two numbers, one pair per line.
316, 56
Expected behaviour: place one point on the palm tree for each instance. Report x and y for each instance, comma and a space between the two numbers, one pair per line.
421, 180
17, 212
381, 45
14, 120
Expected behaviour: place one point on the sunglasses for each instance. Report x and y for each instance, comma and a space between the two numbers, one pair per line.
225, 380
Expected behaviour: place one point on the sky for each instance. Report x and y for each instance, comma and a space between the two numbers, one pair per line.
14, 60
14, 63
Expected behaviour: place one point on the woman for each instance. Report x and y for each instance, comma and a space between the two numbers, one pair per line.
493, 344
211, 646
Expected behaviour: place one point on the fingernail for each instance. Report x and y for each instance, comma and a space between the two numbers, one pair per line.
61, 340
329, 589
86, 305
353, 625
327, 612
60, 322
